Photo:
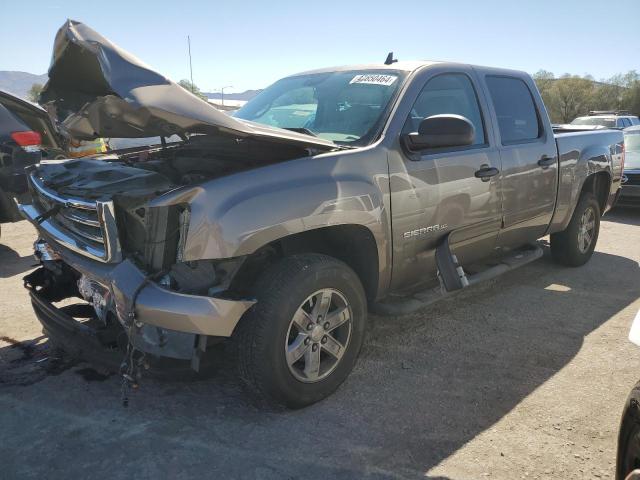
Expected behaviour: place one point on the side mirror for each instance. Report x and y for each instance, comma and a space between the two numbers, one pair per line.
440, 131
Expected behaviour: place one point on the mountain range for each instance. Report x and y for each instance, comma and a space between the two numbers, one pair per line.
245, 96
19, 83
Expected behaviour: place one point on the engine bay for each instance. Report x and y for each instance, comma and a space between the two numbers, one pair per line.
133, 172
131, 178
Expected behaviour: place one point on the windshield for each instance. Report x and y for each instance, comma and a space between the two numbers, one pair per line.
344, 107
632, 141
605, 122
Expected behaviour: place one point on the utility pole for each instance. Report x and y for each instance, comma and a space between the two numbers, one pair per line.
222, 92
190, 65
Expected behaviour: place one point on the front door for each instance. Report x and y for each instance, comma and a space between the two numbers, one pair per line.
436, 192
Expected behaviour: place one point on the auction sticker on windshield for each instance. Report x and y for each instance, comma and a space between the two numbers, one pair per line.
374, 79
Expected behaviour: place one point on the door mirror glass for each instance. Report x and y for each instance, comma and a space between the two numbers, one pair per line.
441, 131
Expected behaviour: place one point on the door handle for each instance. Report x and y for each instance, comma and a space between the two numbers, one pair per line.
486, 172
545, 162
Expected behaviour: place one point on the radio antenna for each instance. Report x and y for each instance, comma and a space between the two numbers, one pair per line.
390, 59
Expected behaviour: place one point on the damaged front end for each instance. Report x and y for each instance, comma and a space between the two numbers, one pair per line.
106, 237
102, 244
126, 308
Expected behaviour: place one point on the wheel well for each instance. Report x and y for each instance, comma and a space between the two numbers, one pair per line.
599, 184
352, 244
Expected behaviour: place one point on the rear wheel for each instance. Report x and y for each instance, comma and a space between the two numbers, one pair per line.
302, 338
574, 246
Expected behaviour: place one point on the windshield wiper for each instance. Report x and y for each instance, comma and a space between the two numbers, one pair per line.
306, 131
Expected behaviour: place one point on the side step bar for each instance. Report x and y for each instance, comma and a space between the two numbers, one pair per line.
450, 272
453, 278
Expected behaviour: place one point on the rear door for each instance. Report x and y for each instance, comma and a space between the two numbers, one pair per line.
528, 154
436, 192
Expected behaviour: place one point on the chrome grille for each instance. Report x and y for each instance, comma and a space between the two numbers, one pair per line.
86, 227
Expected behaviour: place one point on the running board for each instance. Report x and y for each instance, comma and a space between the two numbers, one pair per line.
453, 278
450, 273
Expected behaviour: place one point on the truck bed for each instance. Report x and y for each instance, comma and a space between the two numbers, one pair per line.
581, 153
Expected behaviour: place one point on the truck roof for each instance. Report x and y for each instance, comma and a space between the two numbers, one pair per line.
407, 66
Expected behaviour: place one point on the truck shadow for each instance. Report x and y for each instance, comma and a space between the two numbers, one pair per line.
425, 385
11, 263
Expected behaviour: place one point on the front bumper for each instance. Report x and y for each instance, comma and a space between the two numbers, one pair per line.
74, 336
158, 320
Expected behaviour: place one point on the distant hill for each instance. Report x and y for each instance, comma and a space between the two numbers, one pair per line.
245, 96
19, 83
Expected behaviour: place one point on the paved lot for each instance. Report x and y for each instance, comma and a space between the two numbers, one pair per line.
523, 377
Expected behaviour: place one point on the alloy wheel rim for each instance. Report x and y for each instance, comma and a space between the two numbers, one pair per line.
586, 230
318, 335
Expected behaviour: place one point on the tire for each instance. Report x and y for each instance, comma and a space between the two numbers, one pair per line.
570, 246
628, 457
269, 337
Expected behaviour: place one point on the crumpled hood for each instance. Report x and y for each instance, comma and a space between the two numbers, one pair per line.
96, 178
96, 89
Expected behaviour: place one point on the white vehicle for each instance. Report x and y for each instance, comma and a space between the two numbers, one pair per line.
628, 460
609, 119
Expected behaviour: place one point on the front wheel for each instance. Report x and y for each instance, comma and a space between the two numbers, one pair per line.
574, 245
302, 338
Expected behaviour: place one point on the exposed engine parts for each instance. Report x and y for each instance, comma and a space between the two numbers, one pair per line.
99, 297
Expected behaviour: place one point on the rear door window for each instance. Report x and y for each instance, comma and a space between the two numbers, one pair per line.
518, 119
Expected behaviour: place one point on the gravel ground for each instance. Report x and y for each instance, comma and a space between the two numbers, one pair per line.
523, 377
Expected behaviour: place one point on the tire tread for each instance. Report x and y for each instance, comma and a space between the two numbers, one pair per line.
564, 248
252, 333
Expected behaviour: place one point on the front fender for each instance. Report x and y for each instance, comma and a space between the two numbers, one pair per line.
236, 215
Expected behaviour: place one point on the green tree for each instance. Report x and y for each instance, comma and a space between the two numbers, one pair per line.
607, 95
544, 81
631, 94
34, 92
572, 96
193, 88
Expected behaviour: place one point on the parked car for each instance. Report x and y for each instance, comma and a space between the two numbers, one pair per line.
628, 458
610, 119
26, 136
279, 233
630, 193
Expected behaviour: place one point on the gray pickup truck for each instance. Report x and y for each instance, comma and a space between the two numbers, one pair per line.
382, 186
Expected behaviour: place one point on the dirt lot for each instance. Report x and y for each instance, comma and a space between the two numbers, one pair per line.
523, 377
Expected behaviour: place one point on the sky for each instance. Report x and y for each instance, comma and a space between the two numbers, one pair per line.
251, 44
